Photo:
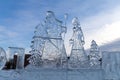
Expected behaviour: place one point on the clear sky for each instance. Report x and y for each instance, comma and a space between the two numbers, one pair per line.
100, 20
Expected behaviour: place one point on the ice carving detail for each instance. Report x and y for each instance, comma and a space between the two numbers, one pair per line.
48, 42
78, 57
3, 58
94, 55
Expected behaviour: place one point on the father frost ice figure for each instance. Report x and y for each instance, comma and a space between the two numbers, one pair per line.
48, 42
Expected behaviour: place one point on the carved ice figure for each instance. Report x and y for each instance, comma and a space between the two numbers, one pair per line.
20, 52
48, 42
77, 57
111, 65
94, 55
3, 58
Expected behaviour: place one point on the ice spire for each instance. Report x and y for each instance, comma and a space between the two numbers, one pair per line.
78, 56
94, 55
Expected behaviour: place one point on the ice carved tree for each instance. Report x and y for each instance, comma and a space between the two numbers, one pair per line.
94, 55
37, 45
78, 57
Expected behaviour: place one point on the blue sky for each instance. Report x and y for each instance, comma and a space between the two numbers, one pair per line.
100, 20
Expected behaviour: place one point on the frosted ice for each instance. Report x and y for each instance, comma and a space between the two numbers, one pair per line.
3, 58
78, 57
48, 42
94, 55
111, 65
19, 52
49, 60
52, 74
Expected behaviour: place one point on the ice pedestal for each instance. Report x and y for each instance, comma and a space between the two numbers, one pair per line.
62, 74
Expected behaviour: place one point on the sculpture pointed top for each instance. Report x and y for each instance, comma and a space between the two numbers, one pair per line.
75, 22
93, 42
50, 14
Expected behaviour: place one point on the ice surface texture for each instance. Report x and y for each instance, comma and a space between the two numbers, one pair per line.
78, 57
3, 58
48, 43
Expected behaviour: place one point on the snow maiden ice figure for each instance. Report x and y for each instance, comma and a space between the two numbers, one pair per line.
78, 58
48, 43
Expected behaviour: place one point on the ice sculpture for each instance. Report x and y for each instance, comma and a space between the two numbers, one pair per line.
111, 65
94, 55
20, 52
78, 57
48, 43
3, 58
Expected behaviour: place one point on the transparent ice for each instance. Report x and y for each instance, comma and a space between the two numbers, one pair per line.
3, 58
49, 61
48, 42
20, 53
78, 57
94, 55
111, 65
